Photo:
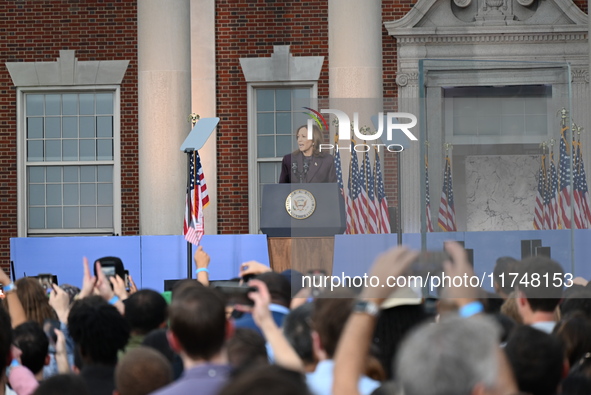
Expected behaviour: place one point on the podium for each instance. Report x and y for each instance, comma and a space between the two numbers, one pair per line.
300, 221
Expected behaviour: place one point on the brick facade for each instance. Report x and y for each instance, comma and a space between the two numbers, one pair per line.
251, 29
35, 31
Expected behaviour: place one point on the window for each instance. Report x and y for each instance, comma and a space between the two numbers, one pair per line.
509, 114
277, 112
70, 162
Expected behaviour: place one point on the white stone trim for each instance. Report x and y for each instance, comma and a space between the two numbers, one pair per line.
282, 66
67, 71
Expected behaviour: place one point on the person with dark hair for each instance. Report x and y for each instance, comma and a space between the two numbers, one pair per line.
574, 331
267, 380
142, 371
307, 163
63, 384
145, 311
157, 339
280, 290
198, 329
297, 331
576, 300
537, 359
246, 348
504, 266
99, 332
331, 311
34, 344
538, 292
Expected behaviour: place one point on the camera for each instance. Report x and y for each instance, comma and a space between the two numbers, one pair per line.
111, 266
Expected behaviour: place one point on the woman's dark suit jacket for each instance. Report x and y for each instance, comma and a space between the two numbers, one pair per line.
321, 169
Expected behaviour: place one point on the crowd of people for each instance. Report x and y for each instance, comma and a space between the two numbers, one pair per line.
271, 336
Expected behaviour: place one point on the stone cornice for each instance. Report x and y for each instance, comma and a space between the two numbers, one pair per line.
487, 34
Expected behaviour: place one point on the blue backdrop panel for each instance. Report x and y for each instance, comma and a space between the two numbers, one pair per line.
165, 257
63, 255
582, 253
354, 254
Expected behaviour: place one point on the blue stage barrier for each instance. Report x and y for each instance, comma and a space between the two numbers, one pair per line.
149, 259
153, 259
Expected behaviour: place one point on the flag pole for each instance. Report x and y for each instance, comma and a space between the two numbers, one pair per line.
190, 151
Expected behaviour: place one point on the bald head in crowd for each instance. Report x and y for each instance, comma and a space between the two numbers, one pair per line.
141, 371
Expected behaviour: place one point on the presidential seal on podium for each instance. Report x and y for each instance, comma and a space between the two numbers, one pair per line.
300, 204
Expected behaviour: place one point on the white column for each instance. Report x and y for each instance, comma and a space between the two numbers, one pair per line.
164, 103
355, 60
203, 95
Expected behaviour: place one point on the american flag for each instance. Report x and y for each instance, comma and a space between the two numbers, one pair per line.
197, 199
552, 192
540, 197
581, 190
428, 198
355, 190
382, 203
564, 186
339, 171
447, 214
368, 186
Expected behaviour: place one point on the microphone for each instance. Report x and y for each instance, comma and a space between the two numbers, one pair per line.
294, 168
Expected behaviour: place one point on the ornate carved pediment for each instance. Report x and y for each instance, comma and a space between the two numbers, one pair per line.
466, 14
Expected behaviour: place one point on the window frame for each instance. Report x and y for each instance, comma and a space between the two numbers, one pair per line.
253, 174
22, 166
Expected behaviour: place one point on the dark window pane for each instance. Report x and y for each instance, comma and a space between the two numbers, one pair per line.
265, 99
36, 217
53, 105
52, 128
34, 128
37, 195
53, 150
88, 217
34, 105
283, 100
70, 104
71, 174
35, 151
105, 217
87, 125
70, 127
71, 194
54, 217
87, 193
265, 123
104, 103
54, 174
86, 103
71, 217
105, 149
87, 150
36, 174
104, 126
88, 173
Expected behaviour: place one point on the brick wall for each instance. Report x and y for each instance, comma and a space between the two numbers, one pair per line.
36, 30
251, 29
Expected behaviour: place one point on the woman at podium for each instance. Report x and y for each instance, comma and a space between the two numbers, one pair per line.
308, 164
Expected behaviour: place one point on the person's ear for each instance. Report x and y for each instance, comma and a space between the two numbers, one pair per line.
173, 342
230, 329
47, 360
317, 346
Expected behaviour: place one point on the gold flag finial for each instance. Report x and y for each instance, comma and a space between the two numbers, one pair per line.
193, 118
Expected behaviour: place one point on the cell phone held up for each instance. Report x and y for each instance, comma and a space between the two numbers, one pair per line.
235, 292
111, 266
429, 263
49, 327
